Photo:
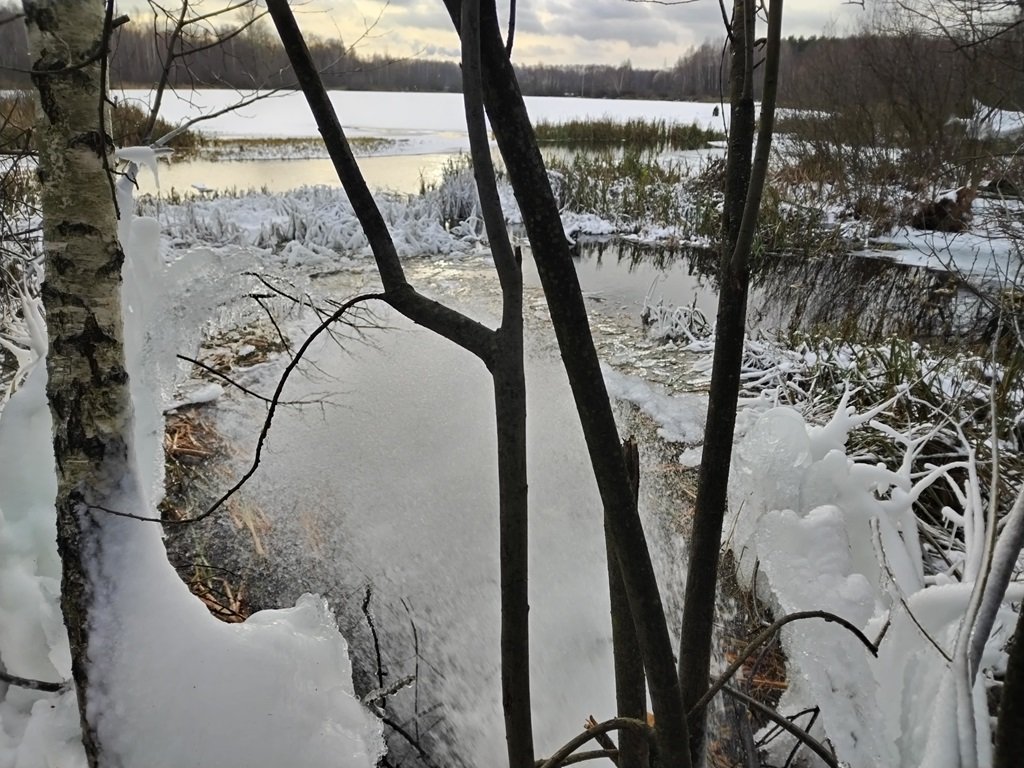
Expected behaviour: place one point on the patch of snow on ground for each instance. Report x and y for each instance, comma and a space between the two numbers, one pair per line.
680, 416
814, 529
175, 688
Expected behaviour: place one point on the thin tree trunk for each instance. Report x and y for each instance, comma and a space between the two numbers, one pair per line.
510, 411
514, 133
742, 201
630, 685
1010, 728
88, 384
500, 350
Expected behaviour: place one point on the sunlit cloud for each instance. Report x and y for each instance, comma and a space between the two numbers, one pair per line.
558, 31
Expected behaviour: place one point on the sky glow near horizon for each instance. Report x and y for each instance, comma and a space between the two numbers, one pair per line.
649, 35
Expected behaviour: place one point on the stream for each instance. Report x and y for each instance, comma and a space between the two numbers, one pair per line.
385, 501
383, 497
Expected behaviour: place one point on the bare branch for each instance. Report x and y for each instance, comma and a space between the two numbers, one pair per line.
767, 634
815, 746
34, 685
615, 724
265, 429
227, 379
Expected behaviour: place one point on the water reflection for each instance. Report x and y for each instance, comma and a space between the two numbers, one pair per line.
397, 173
852, 296
868, 299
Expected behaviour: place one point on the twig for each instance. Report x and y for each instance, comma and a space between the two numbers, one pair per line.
408, 738
378, 696
615, 724
796, 747
582, 757
285, 341
233, 383
887, 570
367, 596
416, 668
34, 685
812, 743
766, 634
603, 740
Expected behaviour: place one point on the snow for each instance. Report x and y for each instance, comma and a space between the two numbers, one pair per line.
198, 395
680, 417
174, 688
418, 122
813, 528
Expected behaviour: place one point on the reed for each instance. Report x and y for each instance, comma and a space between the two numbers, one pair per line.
655, 135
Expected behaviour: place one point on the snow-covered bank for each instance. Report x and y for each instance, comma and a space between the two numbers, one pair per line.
173, 687
816, 524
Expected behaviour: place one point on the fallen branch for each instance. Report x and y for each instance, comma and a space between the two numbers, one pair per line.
34, 685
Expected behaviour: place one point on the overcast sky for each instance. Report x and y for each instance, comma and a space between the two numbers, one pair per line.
559, 31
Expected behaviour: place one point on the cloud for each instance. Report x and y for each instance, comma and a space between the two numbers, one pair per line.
572, 31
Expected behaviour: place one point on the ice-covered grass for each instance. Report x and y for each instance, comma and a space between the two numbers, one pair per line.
173, 687
312, 226
316, 226
651, 134
867, 494
248, 149
814, 527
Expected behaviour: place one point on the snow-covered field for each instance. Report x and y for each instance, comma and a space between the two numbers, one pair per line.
430, 122
422, 132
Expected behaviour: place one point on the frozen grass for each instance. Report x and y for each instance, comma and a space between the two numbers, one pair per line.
630, 189
313, 225
947, 395
862, 485
249, 148
639, 133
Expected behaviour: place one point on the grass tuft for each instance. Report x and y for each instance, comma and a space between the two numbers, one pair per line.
656, 135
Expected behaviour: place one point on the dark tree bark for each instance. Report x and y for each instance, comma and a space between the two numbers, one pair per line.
630, 685
510, 414
1010, 728
744, 183
501, 350
515, 137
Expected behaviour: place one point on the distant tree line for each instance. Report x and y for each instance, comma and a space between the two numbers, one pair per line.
891, 61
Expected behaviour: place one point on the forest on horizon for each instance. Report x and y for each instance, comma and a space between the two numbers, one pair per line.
904, 67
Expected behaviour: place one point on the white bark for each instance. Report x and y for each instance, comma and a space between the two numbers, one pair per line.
88, 384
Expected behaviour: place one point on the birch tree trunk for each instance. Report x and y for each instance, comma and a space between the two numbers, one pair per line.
88, 384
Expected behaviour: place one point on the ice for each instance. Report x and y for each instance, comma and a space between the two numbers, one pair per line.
200, 395
680, 417
144, 156
815, 529
173, 686
422, 122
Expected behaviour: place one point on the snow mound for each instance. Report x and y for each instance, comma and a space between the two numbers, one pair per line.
814, 529
172, 686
